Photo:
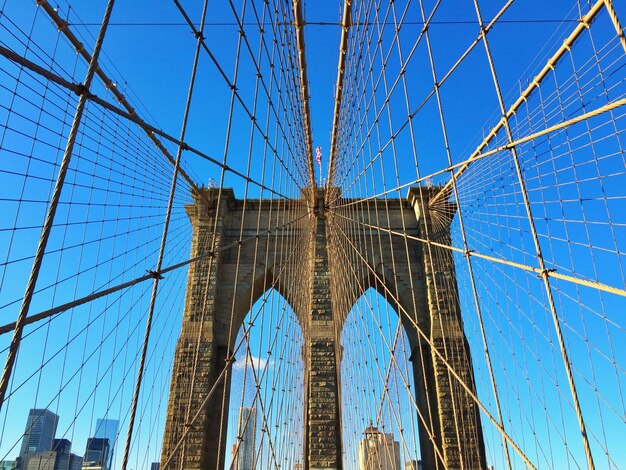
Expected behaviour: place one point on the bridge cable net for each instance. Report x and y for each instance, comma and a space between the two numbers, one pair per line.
476, 276
526, 213
90, 347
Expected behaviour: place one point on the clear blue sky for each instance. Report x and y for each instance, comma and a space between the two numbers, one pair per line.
152, 53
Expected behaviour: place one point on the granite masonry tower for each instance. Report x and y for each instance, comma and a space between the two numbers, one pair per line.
422, 275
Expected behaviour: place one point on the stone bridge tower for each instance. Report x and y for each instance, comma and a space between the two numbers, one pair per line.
417, 272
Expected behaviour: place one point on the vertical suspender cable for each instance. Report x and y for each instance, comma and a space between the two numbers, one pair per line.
155, 286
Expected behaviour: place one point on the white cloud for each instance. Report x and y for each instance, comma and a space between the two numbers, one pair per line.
259, 363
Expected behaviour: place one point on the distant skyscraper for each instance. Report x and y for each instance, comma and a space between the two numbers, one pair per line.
42, 461
7, 464
41, 426
378, 451
65, 460
107, 428
97, 453
413, 465
155, 466
246, 431
60, 458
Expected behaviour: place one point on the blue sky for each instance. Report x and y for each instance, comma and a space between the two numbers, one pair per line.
575, 180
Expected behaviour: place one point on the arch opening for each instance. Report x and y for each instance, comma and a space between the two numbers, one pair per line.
380, 423
265, 410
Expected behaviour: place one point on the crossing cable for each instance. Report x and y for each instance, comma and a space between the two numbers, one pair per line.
351, 65
208, 285
233, 86
121, 256
341, 68
131, 115
427, 426
224, 411
426, 98
150, 275
401, 73
584, 23
440, 356
257, 380
234, 95
97, 349
351, 263
230, 359
403, 62
80, 49
473, 253
90, 321
62, 388
43, 240
588, 344
366, 98
384, 60
386, 396
155, 285
540, 257
538, 396
294, 106
374, 84
464, 240
220, 184
461, 442
607, 108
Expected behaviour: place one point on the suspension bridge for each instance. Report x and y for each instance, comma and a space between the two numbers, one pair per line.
312, 235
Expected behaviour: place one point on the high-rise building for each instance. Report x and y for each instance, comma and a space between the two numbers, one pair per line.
155, 466
246, 435
41, 461
65, 460
41, 426
97, 452
378, 451
60, 458
413, 465
75, 462
107, 429
7, 464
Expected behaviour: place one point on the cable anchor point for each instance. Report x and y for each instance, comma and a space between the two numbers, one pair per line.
154, 274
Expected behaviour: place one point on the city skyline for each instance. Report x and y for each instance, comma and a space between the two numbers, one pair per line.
40, 449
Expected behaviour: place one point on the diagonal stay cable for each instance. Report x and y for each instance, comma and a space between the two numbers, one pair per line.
56, 195
166, 224
131, 115
509, 145
565, 277
233, 87
440, 356
534, 84
230, 359
151, 275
